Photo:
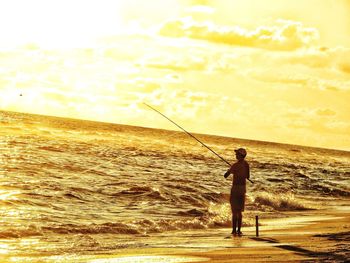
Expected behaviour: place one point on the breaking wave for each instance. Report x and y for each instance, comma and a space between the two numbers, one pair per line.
280, 202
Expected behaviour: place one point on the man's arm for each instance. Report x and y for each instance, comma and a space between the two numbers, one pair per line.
229, 171
248, 176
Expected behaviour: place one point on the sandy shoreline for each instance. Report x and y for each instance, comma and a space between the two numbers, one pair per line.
319, 235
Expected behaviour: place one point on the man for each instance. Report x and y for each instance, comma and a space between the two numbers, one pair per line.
240, 171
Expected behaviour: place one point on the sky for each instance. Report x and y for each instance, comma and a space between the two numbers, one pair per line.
271, 70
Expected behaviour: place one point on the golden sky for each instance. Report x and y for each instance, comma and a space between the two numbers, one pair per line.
272, 70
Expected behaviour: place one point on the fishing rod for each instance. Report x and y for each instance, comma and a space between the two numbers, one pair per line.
190, 134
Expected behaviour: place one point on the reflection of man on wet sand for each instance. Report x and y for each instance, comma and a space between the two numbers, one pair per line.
240, 171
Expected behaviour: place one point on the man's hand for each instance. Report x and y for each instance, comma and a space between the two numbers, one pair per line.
226, 174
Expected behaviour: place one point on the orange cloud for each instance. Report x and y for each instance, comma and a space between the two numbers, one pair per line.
285, 35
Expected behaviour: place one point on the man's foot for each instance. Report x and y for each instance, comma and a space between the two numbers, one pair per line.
234, 232
239, 233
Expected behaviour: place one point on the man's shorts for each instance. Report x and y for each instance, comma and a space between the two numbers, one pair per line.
237, 201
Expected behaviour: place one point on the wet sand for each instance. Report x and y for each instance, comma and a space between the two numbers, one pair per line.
322, 236
319, 235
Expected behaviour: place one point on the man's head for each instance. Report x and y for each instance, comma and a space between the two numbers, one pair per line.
241, 153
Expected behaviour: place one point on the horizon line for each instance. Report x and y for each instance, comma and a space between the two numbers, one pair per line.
174, 130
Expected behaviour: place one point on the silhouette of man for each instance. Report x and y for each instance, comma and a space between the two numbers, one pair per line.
240, 171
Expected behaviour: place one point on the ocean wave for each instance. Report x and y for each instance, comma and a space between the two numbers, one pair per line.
20, 232
110, 228
189, 199
73, 196
301, 175
215, 197
50, 148
192, 212
137, 190
189, 220
144, 226
214, 216
330, 190
147, 191
279, 202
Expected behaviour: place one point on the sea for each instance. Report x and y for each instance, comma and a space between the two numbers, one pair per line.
74, 187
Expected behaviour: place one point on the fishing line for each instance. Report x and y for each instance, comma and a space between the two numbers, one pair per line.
191, 135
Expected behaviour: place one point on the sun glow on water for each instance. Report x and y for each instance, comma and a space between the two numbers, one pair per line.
9, 194
149, 259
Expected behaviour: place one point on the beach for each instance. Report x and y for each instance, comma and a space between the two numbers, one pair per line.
325, 238
318, 236
83, 191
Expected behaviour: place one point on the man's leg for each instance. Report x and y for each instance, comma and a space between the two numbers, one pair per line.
239, 222
234, 222
239, 214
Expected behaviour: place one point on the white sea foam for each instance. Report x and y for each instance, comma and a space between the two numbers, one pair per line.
279, 201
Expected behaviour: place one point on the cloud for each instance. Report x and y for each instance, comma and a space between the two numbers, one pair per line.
202, 9
203, 109
141, 84
189, 104
178, 62
311, 57
178, 66
343, 59
283, 80
181, 96
317, 57
320, 121
272, 77
201, 2
285, 35
332, 84
325, 112
341, 126
345, 67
